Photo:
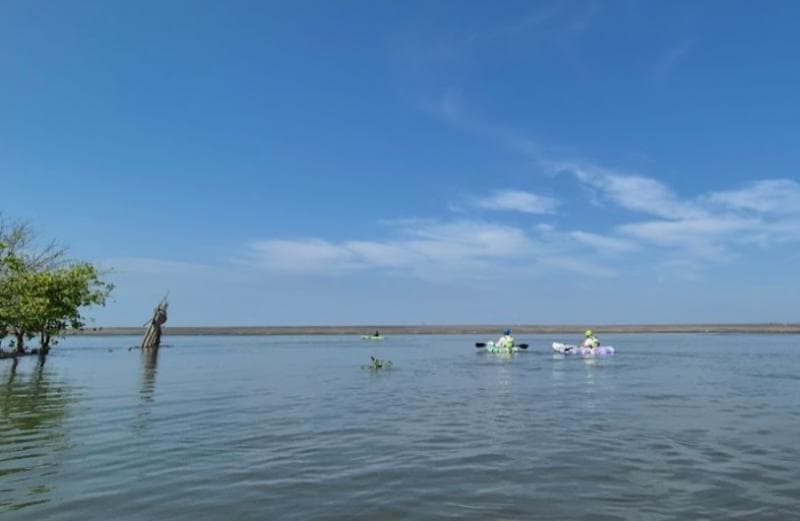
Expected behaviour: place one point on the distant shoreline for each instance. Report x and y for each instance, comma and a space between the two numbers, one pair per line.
447, 330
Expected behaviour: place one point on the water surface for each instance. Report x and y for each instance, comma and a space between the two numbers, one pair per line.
292, 428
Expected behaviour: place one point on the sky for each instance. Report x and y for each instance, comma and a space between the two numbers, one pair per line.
416, 162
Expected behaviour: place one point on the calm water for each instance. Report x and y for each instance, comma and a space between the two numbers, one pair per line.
251, 428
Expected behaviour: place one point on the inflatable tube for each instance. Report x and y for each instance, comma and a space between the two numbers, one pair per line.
568, 349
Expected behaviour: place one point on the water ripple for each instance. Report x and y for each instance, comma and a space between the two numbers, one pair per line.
672, 427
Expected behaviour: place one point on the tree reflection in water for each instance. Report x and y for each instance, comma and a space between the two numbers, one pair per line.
33, 407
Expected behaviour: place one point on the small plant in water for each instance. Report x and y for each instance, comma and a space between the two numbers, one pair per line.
377, 363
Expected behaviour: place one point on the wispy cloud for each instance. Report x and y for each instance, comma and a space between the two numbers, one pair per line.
705, 237
559, 22
780, 196
632, 192
689, 232
520, 25
451, 108
569, 35
580, 21
683, 232
673, 57
458, 41
705, 226
417, 244
604, 243
302, 255
423, 248
518, 201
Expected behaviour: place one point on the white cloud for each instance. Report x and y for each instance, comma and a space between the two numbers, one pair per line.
632, 192
519, 201
781, 196
700, 228
711, 226
461, 239
301, 255
422, 248
417, 245
381, 255
705, 237
786, 230
690, 233
647, 195
682, 231
545, 228
603, 243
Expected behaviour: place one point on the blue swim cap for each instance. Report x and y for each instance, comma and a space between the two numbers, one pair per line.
507, 332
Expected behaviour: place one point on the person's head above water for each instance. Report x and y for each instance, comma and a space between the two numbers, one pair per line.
507, 332
588, 332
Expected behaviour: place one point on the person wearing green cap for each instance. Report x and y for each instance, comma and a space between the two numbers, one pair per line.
591, 341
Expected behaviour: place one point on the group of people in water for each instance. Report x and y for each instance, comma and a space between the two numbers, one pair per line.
507, 341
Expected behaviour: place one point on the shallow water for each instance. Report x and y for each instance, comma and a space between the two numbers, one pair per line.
672, 427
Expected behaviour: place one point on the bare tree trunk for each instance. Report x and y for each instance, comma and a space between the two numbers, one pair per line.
152, 337
44, 341
20, 336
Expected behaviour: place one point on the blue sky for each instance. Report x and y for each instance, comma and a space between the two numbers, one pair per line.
412, 162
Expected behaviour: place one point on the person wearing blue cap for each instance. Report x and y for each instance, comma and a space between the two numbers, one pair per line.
506, 341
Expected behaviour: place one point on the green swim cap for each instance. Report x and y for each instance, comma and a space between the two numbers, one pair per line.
588, 332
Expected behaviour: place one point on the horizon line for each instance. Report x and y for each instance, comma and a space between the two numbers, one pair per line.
356, 329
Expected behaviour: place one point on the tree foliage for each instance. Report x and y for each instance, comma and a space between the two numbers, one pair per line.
41, 293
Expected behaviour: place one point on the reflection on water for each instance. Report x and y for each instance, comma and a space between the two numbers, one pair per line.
590, 363
150, 368
673, 427
147, 390
33, 408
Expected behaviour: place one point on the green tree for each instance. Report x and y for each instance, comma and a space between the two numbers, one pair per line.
12, 287
41, 294
55, 299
